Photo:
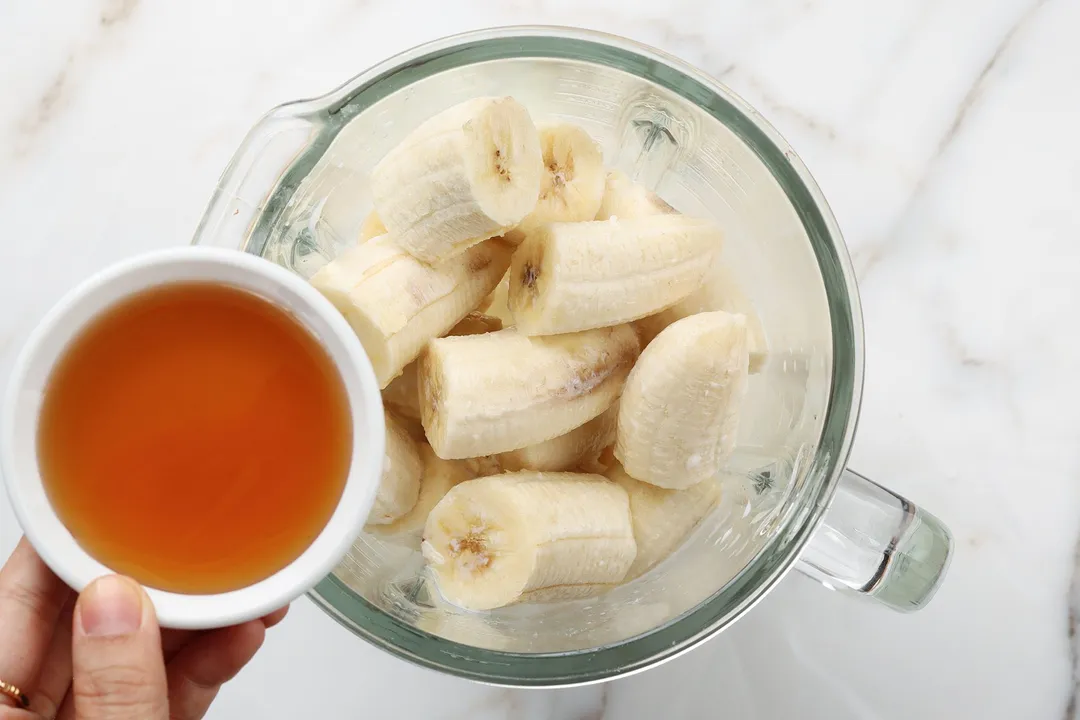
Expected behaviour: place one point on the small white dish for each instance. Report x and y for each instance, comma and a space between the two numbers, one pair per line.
23, 399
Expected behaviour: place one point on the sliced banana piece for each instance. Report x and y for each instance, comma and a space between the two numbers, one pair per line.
469, 173
567, 277
494, 541
719, 291
572, 183
663, 518
396, 303
399, 485
679, 412
372, 227
487, 394
498, 302
436, 479
402, 394
566, 451
623, 198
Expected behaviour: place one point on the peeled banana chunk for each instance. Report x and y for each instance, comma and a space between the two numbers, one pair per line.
529, 536
566, 451
623, 198
679, 411
436, 479
572, 182
719, 291
396, 303
493, 393
399, 485
402, 394
470, 173
663, 518
568, 277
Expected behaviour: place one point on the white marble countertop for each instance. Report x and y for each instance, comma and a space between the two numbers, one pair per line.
942, 132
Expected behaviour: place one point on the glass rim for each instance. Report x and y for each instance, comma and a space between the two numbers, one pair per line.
330, 112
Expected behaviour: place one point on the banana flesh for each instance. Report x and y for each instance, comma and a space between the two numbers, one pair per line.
402, 395
663, 518
567, 277
719, 291
436, 479
494, 541
572, 183
395, 303
679, 412
493, 393
372, 227
566, 451
623, 198
399, 484
470, 173
498, 302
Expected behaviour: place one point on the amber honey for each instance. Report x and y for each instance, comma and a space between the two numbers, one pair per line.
195, 437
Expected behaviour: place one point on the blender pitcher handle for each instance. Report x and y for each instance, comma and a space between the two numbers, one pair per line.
873, 542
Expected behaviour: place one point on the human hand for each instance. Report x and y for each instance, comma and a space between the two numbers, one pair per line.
101, 656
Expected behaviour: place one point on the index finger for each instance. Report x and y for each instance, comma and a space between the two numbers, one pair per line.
31, 598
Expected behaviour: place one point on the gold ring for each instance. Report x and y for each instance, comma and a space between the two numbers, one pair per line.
15, 694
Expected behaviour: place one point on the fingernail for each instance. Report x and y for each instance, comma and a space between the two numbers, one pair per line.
110, 606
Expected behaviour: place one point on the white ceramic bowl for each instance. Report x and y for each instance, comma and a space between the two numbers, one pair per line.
22, 404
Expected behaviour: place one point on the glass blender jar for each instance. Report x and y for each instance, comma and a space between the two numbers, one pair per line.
296, 193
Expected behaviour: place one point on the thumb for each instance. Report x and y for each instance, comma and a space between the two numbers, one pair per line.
117, 666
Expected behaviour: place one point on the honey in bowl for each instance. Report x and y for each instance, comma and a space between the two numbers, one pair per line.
195, 437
